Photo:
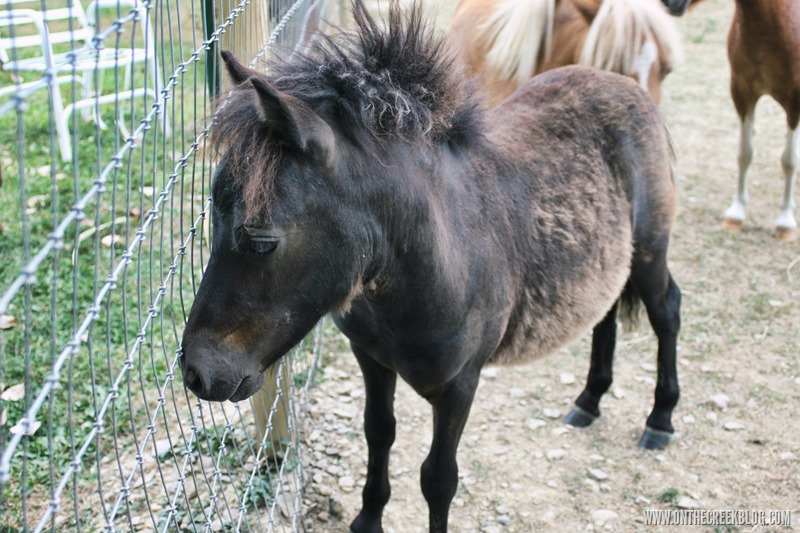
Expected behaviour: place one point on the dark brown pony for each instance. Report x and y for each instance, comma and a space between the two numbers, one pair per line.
504, 43
366, 180
764, 53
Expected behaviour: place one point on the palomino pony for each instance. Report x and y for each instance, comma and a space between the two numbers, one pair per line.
764, 53
366, 179
678, 7
504, 43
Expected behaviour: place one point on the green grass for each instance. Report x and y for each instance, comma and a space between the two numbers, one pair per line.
38, 191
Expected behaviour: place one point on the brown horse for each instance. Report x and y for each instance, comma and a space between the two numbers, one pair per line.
764, 53
504, 42
366, 179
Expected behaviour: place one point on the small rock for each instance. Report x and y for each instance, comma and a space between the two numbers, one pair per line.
605, 487
324, 490
597, 457
706, 369
599, 475
535, 423
503, 519
561, 430
711, 416
601, 517
649, 367
721, 400
567, 378
549, 412
688, 419
643, 500
489, 373
516, 392
346, 411
733, 426
685, 502
553, 484
346, 482
490, 529
618, 393
458, 502
786, 456
335, 507
323, 517
555, 455
592, 484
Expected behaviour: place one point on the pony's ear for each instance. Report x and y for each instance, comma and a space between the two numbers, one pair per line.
587, 8
238, 72
293, 121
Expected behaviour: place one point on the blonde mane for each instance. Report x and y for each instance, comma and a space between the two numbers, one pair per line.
614, 40
518, 30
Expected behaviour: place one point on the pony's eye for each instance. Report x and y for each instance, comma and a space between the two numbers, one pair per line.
261, 245
260, 241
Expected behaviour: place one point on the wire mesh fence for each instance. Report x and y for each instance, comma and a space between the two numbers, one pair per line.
105, 111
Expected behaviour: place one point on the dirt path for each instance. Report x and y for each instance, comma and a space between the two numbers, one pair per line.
738, 440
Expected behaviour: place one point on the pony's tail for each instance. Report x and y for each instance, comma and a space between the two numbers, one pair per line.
630, 306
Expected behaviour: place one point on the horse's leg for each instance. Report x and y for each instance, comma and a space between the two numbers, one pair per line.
439, 475
735, 214
604, 339
662, 298
786, 226
379, 427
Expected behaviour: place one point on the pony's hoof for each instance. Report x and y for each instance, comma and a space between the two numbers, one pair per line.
785, 234
362, 525
655, 439
579, 418
732, 225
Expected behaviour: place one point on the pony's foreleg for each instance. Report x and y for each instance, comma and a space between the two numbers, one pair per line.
439, 475
379, 428
734, 215
786, 226
662, 298
604, 339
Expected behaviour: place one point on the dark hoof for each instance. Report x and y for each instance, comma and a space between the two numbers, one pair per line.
579, 418
655, 439
363, 525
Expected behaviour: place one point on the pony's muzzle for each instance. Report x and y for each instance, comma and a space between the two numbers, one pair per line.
210, 377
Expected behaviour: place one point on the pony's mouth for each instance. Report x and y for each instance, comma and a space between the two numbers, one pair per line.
247, 387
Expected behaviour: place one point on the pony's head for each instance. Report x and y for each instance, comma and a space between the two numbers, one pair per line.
636, 38
305, 153
274, 223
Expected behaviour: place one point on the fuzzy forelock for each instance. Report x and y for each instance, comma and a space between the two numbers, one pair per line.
392, 81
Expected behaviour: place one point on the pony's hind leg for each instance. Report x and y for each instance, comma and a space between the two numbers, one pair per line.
735, 214
604, 339
379, 428
661, 296
786, 226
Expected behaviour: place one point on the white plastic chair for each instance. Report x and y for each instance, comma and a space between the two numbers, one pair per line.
92, 50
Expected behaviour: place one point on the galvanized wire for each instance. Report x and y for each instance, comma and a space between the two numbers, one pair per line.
123, 269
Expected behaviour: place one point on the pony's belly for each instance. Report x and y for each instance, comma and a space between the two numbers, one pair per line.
547, 318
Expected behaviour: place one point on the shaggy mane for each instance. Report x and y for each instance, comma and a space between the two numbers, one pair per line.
518, 31
380, 83
614, 40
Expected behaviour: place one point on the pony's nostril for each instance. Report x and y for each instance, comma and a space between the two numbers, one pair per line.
191, 378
